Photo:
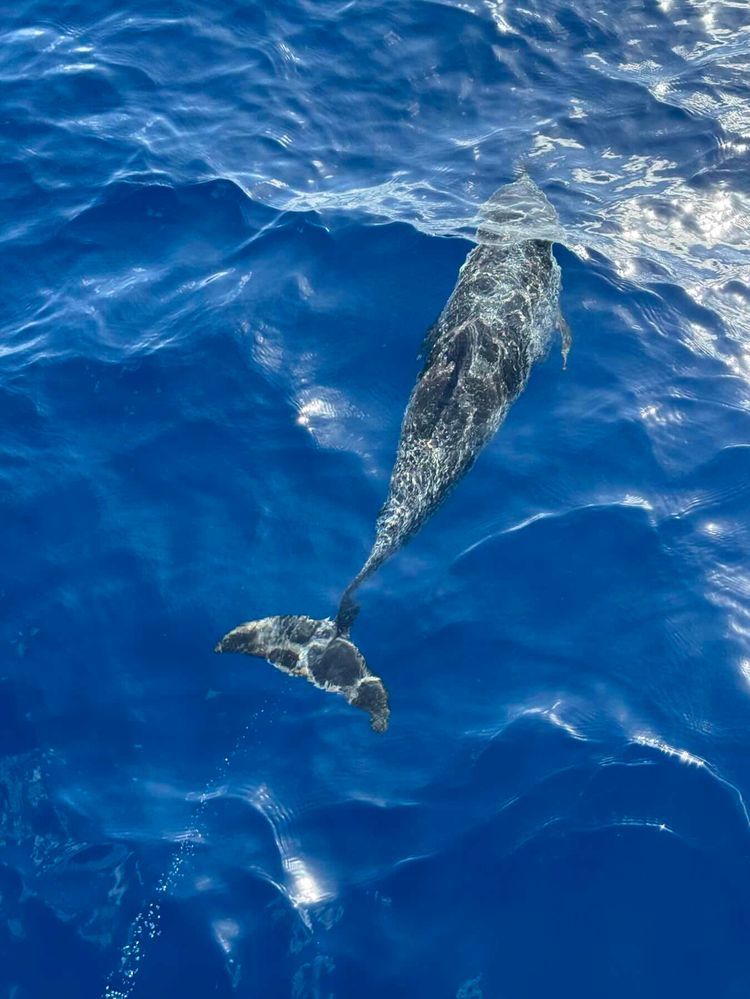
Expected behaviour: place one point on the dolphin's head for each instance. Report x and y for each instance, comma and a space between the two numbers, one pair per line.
517, 212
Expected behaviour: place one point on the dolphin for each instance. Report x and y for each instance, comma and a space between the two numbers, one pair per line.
477, 358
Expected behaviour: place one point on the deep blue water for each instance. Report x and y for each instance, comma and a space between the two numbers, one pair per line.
224, 230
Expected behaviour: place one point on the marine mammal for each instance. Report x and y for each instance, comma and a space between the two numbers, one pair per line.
477, 359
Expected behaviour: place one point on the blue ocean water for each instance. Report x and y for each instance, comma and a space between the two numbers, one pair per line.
224, 230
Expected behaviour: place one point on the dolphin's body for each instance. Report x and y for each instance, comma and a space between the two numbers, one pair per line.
496, 324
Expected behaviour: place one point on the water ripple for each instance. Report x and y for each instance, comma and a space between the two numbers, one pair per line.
223, 233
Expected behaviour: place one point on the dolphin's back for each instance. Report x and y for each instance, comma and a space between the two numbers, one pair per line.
496, 323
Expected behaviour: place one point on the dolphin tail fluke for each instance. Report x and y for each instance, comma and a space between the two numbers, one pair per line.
317, 651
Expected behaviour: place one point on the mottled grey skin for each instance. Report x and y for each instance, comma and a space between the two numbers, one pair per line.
317, 651
479, 354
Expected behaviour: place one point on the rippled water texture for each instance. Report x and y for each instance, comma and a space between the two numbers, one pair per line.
224, 229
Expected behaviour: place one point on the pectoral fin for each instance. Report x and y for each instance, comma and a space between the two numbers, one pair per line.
566, 338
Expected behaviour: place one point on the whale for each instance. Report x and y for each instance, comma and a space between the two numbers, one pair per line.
477, 358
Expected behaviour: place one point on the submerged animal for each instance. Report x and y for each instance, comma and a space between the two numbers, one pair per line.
478, 356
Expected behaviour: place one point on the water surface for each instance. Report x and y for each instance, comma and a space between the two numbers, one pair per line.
224, 230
